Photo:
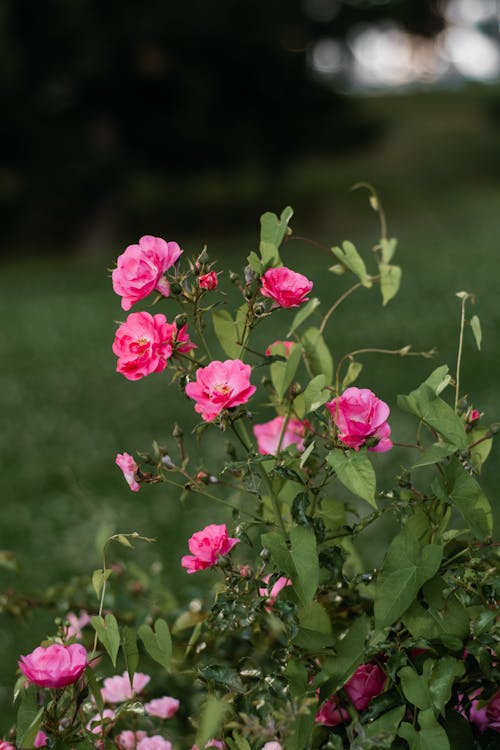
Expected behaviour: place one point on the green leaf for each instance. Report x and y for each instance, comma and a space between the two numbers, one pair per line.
272, 232
350, 654
355, 471
304, 312
300, 733
441, 678
94, 688
237, 743
442, 619
212, 717
466, 495
386, 726
431, 735
315, 631
29, 718
388, 247
480, 452
108, 633
434, 454
226, 332
390, 281
255, 264
283, 372
130, 651
352, 374
415, 687
158, 644
425, 403
317, 354
407, 566
306, 454
98, 579
298, 679
315, 394
475, 324
300, 562
349, 256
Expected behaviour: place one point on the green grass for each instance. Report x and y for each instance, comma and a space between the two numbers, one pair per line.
66, 413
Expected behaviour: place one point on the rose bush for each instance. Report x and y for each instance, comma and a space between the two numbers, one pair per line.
290, 639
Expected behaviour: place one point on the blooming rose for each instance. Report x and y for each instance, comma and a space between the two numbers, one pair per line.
366, 683
54, 666
40, 739
207, 546
164, 707
271, 349
118, 688
74, 629
271, 595
360, 415
220, 385
286, 287
141, 267
127, 740
268, 435
154, 743
486, 717
142, 345
4, 745
129, 467
208, 280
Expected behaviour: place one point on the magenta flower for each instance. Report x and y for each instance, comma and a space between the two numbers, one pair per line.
366, 683
54, 666
272, 595
220, 385
484, 717
129, 468
164, 708
268, 435
359, 415
271, 349
4, 745
142, 345
40, 739
286, 287
208, 281
118, 688
207, 546
154, 743
141, 267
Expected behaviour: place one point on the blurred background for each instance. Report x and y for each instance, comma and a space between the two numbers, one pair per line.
187, 121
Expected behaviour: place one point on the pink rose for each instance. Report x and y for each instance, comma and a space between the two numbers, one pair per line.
271, 595
142, 345
129, 467
208, 281
366, 683
141, 267
54, 666
493, 712
127, 740
93, 724
286, 287
484, 717
360, 415
179, 339
4, 745
118, 688
207, 546
271, 349
154, 743
220, 385
40, 739
164, 707
74, 629
268, 435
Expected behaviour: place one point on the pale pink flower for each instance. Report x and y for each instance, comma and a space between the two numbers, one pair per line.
154, 743
366, 683
275, 589
164, 708
268, 435
74, 629
286, 287
272, 348
207, 546
127, 740
4, 745
272, 746
208, 281
118, 688
40, 739
129, 468
211, 743
360, 415
141, 267
220, 385
142, 345
95, 727
54, 666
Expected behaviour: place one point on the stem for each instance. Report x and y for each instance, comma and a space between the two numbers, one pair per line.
459, 356
198, 491
337, 303
397, 352
376, 205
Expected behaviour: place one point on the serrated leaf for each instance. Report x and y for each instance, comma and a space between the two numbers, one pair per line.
349, 256
355, 471
352, 374
317, 354
158, 643
304, 312
390, 281
130, 651
475, 324
226, 332
212, 718
388, 248
407, 566
98, 578
108, 633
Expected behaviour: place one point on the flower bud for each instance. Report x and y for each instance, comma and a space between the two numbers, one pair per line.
250, 275
233, 277
167, 462
259, 309
177, 431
